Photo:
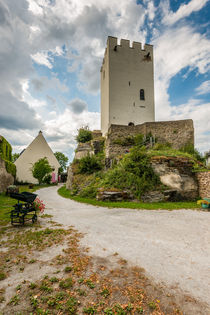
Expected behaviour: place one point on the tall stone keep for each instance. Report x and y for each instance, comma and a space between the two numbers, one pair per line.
127, 84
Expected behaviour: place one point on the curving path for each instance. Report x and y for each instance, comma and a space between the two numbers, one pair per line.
172, 246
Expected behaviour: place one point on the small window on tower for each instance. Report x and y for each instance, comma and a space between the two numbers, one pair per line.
104, 74
142, 96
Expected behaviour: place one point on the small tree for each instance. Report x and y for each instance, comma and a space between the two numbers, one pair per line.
15, 156
40, 169
62, 159
84, 135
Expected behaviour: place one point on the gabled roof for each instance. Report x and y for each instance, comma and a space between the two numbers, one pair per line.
37, 149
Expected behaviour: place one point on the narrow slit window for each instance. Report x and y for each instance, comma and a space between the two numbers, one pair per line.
142, 96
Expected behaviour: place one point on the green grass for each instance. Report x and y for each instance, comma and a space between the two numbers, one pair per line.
128, 204
6, 202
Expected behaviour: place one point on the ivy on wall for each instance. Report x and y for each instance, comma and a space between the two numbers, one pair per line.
6, 155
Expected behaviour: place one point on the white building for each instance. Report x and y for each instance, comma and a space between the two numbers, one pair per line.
38, 149
127, 84
208, 158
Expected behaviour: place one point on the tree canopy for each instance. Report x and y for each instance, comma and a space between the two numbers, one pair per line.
84, 135
41, 169
63, 160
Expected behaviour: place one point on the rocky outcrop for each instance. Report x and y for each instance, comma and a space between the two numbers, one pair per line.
176, 173
106, 195
6, 179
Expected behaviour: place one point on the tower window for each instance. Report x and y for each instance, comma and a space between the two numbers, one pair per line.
104, 74
142, 96
129, 83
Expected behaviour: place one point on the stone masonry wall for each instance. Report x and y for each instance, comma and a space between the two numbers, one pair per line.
178, 133
204, 184
6, 179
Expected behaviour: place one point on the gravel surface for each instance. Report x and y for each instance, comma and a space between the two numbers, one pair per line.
172, 246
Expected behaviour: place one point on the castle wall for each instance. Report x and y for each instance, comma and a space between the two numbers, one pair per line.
178, 133
204, 184
124, 72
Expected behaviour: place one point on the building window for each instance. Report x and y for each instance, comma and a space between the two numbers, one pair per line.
104, 74
142, 96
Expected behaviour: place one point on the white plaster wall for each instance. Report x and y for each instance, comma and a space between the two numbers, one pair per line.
127, 64
105, 93
38, 149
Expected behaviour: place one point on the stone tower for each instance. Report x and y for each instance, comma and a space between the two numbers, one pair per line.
127, 84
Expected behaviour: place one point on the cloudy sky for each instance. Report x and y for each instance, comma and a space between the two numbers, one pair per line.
51, 52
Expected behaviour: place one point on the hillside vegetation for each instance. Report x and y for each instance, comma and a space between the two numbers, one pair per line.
131, 172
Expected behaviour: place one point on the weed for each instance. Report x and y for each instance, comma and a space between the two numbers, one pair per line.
34, 302
152, 305
18, 287
60, 296
81, 292
51, 302
54, 279
14, 300
32, 285
45, 288
105, 292
89, 310
90, 284
81, 280
2, 276
119, 310
46, 216
67, 283
71, 305
32, 261
140, 310
68, 269
108, 311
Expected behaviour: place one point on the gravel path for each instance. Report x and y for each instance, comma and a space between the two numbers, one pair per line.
172, 246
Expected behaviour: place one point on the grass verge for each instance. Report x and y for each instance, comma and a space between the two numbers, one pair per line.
63, 192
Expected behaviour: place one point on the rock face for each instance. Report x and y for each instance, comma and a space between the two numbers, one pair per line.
83, 149
69, 178
113, 195
176, 173
6, 179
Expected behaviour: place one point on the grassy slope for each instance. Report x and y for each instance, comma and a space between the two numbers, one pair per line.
131, 205
6, 203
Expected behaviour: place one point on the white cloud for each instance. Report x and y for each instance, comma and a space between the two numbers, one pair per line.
42, 58
184, 11
204, 88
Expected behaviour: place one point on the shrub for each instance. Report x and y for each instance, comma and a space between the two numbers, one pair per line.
47, 179
134, 172
89, 192
84, 135
89, 164
189, 148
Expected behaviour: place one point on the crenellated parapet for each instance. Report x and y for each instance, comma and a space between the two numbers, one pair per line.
146, 54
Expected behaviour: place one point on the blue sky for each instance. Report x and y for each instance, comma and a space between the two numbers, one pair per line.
51, 53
